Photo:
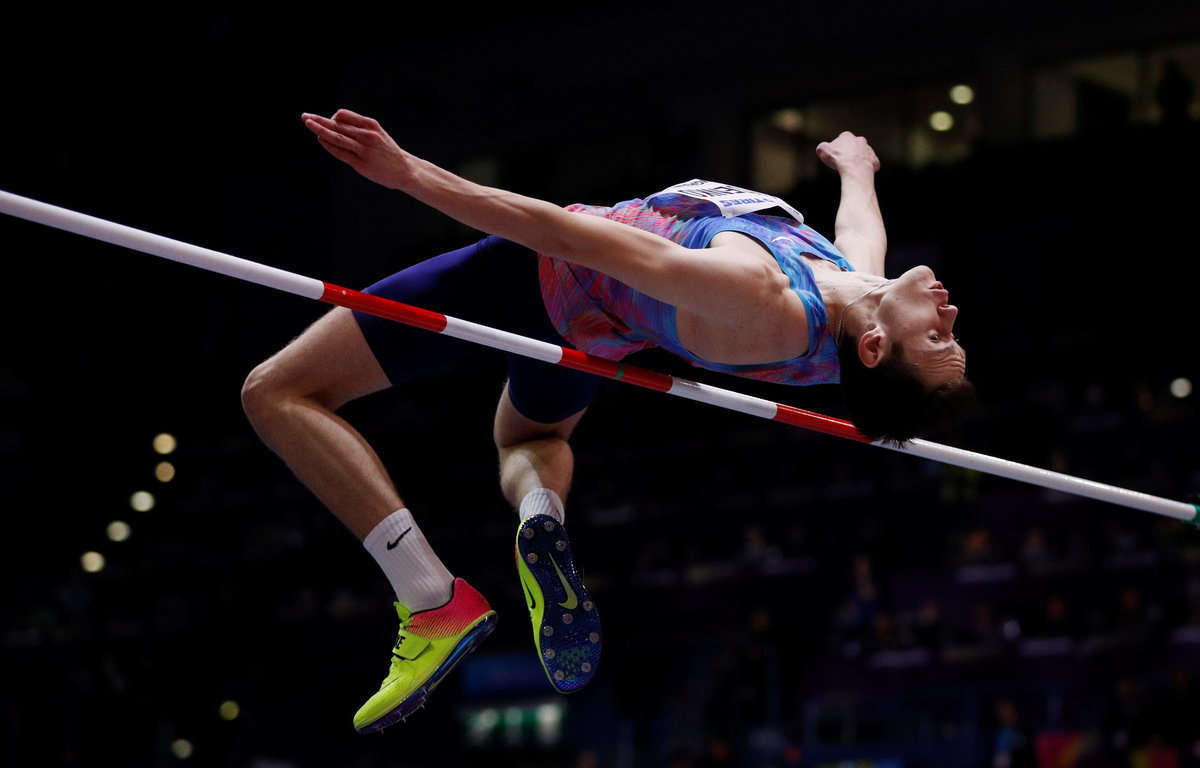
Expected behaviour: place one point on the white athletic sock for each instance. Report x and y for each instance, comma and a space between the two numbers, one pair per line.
419, 578
542, 501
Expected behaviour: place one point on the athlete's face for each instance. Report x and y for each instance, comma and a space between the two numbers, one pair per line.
915, 313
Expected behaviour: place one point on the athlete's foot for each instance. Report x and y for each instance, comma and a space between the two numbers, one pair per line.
566, 627
430, 644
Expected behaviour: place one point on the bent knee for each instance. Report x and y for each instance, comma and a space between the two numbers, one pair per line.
328, 365
262, 392
509, 441
270, 387
512, 428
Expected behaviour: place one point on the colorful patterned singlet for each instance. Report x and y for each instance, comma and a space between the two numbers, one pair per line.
605, 317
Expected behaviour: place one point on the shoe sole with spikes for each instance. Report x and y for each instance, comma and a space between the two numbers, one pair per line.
566, 625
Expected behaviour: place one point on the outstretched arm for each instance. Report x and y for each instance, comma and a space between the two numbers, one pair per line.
858, 231
715, 282
366, 147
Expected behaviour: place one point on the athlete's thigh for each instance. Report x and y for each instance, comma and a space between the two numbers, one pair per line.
493, 282
330, 361
513, 427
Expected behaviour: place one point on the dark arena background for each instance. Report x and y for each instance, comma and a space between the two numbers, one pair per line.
771, 597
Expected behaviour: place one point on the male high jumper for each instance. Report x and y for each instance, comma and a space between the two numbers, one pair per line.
725, 278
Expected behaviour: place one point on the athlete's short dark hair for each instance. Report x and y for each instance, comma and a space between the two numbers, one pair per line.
887, 403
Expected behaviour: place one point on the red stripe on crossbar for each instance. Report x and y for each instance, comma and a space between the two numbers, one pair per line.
392, 310
610, 369
660, 382
818, 423
572, 358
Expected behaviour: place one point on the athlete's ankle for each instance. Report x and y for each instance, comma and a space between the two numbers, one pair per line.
542, 501
418, 577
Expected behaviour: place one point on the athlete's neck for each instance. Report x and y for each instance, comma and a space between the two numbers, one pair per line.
844, 294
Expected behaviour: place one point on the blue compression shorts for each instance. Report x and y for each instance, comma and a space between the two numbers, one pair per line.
493, 282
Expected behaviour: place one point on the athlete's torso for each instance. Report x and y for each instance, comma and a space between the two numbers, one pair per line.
602, 316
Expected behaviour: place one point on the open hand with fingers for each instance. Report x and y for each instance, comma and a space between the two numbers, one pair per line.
361, 143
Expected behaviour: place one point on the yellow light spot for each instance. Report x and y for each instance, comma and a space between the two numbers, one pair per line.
164, 471
1181, 387
93, 562
790, 120
164, 443
142, 501
118, 530
229, 710
962, 94
181, 748
941, 121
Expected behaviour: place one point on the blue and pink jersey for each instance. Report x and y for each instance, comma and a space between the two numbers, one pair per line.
606, 318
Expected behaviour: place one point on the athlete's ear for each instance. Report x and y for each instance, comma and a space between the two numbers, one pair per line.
873, 346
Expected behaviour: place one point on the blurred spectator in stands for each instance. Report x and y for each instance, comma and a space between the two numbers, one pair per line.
1135, 620
929, 628
1012, 746
1039, 555
854, 623
797, 538
1175, 716
793, 756
983, 629
746, 676
1125, 724
959, 486
656, 553
977, 547
1035, 550
754, 542
886, 636
680, 757
979, 639
760, 549
717, 754
1124, 536
1053, 619
758, 669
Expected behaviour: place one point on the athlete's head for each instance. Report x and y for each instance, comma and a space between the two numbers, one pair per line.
903, 372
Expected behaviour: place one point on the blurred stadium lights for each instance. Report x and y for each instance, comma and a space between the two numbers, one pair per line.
182, 749
790, 120
118, 530
165, 443
962, 94
142, 501
941, 121
93, 562
526, 724
229, 710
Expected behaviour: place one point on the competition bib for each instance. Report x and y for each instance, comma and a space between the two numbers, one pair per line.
729, 200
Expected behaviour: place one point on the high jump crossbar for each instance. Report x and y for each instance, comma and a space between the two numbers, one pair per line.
311, 288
